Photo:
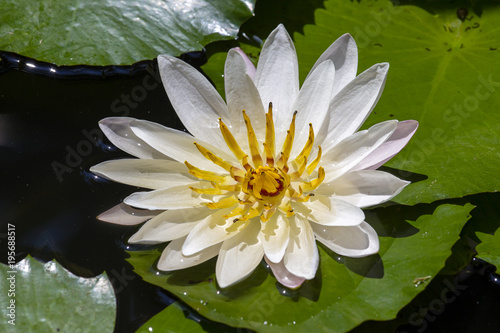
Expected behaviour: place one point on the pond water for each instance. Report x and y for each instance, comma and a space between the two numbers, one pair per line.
49, 138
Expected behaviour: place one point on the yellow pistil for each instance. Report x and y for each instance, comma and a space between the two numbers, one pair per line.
265, 184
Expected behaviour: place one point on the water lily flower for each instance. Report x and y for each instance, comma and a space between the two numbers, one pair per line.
265, 174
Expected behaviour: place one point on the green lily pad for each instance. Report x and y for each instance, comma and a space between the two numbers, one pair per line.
172, 320
443, 74
48, 298
345, 291
104, 32
489, 249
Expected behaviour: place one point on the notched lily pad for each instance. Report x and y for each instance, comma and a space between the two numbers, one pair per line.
345, 291
48, 298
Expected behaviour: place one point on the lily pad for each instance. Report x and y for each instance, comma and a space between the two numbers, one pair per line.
345, 291
172, 320
444, 73
489, 249
48, 298
103, 32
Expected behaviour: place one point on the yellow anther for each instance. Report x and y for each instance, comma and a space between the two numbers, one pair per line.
237, 174
252, 142
287, 145
311, 167
270, 135
302, 167
230, 188
244, 162
205, 175
206, 190
231, 141
308, 146
214, 158
223, 203
313, 184
235, 212
269, 155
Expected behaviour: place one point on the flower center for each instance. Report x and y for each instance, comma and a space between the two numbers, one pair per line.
266, 183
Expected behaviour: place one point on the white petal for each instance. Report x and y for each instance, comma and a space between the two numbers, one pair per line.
117, 130
126, 215
391, 147
177, 197
274, 237
250, 67
333, 212
356, 241
241, 94
364, 188
277, 76
172, 258
239, 256
345, 155
194, 99
301, 257
284, 276
344, 54
312, 104
352, 105
153, 174
208, 232
177, 144
169, 225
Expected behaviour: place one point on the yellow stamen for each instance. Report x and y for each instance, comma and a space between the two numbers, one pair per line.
313, 184
297, 174
252, 142
223, 203
237, 174
311, 167
269, 155
308, 146
287, 145
209, 190
231, 141
244, 162
205, 175
270, 135
212, 157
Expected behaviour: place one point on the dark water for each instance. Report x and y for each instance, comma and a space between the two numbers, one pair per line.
49, 139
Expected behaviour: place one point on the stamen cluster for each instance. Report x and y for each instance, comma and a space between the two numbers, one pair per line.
267, 183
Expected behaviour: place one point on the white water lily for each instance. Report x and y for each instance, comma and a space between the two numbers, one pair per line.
266, 174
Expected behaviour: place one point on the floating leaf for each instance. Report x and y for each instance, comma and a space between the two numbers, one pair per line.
442, 74
170, 320
103, 32
489, 249
346, 291
48, 298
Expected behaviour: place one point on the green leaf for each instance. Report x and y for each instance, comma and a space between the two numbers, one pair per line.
48, 298
102, 32
442, 74
170, 320
346, 291
489, 249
